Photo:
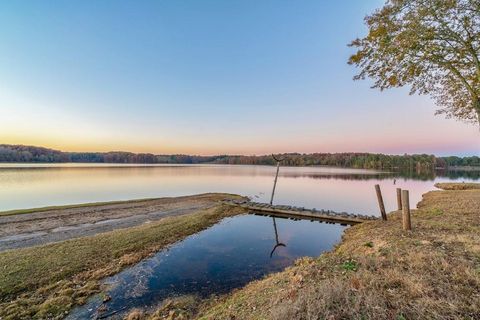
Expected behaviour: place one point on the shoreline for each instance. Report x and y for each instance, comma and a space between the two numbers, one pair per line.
46, 281
31, 227
462, 168
96, 203
378, 271
39, 165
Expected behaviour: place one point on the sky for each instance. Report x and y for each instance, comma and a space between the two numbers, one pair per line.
204, 77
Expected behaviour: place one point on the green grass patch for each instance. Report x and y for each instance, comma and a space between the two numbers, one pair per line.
350, 265
434, 212
368, 244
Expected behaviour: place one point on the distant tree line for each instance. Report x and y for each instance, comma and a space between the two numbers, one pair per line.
359, 160
20, 153
453, 161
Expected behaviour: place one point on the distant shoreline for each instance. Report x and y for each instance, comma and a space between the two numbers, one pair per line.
121, 164
462, 168
356, 160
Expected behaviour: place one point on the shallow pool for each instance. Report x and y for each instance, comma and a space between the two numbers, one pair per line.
226, 256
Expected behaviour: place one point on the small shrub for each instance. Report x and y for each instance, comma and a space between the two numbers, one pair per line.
369, 244
350, 265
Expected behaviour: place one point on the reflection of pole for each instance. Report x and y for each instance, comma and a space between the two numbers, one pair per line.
275, 182
276, 232
277, 243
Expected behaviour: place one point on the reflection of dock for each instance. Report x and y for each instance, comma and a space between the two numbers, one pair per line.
301, 213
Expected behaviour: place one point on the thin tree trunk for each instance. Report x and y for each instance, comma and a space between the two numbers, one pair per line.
477, 108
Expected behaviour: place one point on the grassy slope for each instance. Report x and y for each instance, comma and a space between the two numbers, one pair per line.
46, 281
379, 271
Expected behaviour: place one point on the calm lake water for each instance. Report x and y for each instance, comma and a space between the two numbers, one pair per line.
339, 189
228, 255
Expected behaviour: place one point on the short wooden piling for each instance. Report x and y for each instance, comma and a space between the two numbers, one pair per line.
399, 198
380, 202
407, 223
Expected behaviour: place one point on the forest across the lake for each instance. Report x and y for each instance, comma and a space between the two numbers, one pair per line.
21, 153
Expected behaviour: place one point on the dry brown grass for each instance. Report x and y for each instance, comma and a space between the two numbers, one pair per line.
457, 186
176, 308
380, 271
135, 314
45, 282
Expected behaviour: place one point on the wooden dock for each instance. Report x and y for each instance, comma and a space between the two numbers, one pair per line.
293, 212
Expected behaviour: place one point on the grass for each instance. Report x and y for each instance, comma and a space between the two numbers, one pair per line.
350, 265
457, 186
379, 271
368, 244
46, 281
179, 308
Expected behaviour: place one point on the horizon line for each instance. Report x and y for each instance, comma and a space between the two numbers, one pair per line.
238, 155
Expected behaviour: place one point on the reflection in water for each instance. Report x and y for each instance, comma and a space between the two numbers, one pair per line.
277, 243
214, 261
338, 189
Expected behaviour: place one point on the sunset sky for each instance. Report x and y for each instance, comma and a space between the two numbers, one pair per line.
204, 77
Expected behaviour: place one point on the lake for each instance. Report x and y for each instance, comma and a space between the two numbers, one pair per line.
229, 254
339, 189
214, 261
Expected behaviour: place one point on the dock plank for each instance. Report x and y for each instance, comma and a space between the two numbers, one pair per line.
302, 213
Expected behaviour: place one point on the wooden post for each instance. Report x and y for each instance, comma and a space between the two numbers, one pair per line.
407, 223
380, 202
275, 182
399, 198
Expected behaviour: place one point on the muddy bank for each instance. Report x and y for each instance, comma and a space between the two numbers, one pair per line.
46, 281
46, 226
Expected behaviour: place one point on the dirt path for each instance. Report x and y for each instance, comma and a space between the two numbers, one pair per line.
25, 230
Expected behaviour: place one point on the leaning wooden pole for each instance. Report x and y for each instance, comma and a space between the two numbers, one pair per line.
380, 202
399, 198
278, 160
407, 223
275, 182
